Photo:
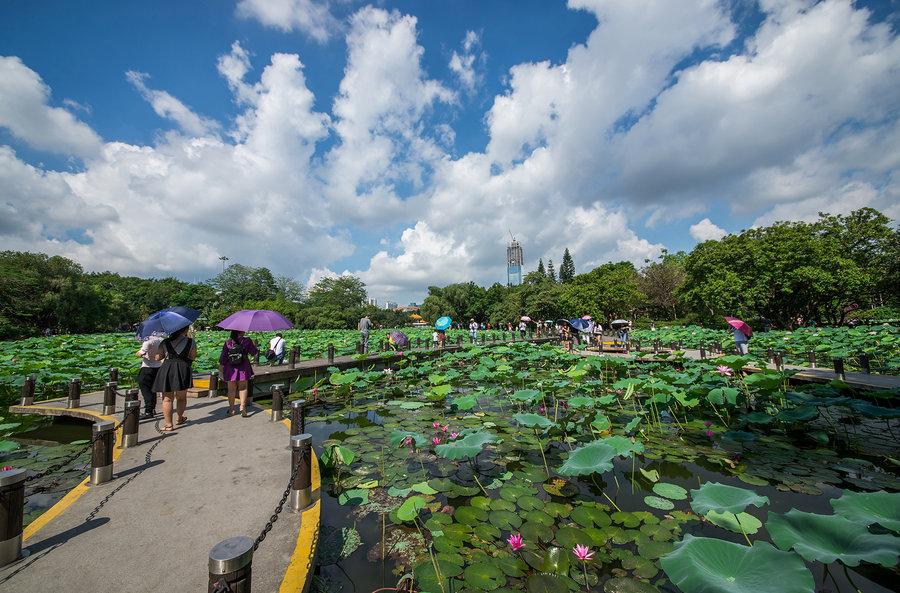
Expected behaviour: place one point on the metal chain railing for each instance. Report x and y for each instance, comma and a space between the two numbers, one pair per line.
222, 586
72, 456
287, 491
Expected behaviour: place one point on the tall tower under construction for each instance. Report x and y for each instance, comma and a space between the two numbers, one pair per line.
514, 260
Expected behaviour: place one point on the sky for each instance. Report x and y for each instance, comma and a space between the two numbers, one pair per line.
404, 142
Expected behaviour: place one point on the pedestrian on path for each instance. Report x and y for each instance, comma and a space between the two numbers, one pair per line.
174, 376
741, 341
151, 356
523, 328
235, 368
473, 331
275, 354
365, 324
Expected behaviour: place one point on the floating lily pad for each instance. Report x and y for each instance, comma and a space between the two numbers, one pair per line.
465, 448
505, 520
735, 522
707, 565
484, 576
337, 544
659, 503
595, 457
356, 496
670, 491
723, 498
628, 585
469, 515
533, 421
870, 507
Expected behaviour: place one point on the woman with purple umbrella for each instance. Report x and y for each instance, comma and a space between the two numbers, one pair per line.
235, 368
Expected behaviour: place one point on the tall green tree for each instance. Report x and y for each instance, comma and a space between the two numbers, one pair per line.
606, 292
567, 268
540, 269
660, 281
551, 271
238, 284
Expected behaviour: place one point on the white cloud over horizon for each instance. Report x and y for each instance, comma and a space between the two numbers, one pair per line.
589, 153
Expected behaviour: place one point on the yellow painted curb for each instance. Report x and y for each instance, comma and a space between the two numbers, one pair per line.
78, 491
297, 576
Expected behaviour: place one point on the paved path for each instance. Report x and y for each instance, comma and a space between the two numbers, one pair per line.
214, 478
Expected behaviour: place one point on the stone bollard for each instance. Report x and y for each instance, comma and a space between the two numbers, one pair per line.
109, 398
864, 364
295, 352
839, 368
458, 341
702, 352
655, 346
214, 384
637, 346
770, 355
330, 353
277, 403
230, 564
28, 391
130, 424
104, 434
298, 416
779, 361
114, 375
74, 400
12, 509
811, 357
381, 345
301, 487
131, 396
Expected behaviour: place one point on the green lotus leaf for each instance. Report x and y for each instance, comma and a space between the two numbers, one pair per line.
505, 520
632, 424
481, 502
501, 504
337, 544
799, 414
670, 491
354, 497
398, 436
427, 580
758, 418
552, 560
735, 522
595, 457
465, 402
465, 448
707, 565
423, 488
600, 422
545, 583
659, 503
723, 498
628, 585
720, 395
526, 395
484, 576
7, 446
582, 401
533, 421
826, 538
410, 508
569, 537
470, 515
588, 515
624, 446
870, 507
651, 475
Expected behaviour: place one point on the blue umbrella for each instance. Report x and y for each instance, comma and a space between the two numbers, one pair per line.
580, 324
443, 323
166, 322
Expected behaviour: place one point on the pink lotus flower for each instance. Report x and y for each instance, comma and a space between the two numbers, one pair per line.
542, 409
709, 433
400, 353
582, 552
436, 441
408, 441
445, 428
6, 468
707, 424
723, 370
435, 425
453, 435
447, 509
315, 392
516, 542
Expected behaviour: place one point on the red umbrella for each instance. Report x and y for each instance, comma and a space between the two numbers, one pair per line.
739, 325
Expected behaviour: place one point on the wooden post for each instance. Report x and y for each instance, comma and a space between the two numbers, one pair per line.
301, 487
74, 393
130, 424
109, 399
702, 352
12, 510
655, 346
104, 434
778, 360
114, 374
811, 357
230, 565
131, 395
330, 353
298, 417
839, 368
295, 352
214, 384
28, 391
359, 347
864, 363
458, 341
277, 403
770, 355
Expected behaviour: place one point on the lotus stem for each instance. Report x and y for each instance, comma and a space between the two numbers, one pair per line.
849, 580
434, 564
612, 502
584, 568
541, 450
477, 481
744, 533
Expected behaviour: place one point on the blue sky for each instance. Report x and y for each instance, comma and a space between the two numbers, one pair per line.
613, 128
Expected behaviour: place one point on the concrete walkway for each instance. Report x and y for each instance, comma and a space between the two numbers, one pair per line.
214, 478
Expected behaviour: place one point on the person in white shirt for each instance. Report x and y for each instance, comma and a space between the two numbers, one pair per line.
151, 360
276, 350
523, 327
473, 330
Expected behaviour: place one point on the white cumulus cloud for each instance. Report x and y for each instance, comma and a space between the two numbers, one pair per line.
169, 107
705, 230
313, 17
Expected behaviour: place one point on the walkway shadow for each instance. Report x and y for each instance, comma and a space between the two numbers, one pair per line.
222, 414
64, 536
138, 468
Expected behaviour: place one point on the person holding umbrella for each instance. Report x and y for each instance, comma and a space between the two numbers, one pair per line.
174, 376
151, 355
742, 334
473, 331
235, 368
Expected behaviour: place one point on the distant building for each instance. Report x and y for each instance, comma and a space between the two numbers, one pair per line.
373, 302
515, 257
390, 305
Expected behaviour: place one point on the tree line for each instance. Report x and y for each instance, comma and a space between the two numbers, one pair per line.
828, 271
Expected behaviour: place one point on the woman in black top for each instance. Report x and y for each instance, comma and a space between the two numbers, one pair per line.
174, 377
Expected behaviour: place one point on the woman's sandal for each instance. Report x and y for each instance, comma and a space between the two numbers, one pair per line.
167, 428
181, 421
231, 411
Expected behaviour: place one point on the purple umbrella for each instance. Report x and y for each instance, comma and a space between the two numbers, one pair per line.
399, 339
254, 320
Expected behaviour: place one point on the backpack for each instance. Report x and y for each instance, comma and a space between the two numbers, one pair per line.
236, 353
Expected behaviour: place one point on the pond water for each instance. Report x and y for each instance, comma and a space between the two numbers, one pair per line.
409, 508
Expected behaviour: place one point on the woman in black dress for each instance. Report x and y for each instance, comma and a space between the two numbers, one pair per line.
174, 377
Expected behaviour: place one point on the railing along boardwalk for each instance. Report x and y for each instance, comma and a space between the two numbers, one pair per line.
179, 511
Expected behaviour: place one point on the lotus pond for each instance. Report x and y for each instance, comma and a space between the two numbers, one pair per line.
524, 468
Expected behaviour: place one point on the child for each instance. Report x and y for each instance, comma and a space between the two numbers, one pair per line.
434, 339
